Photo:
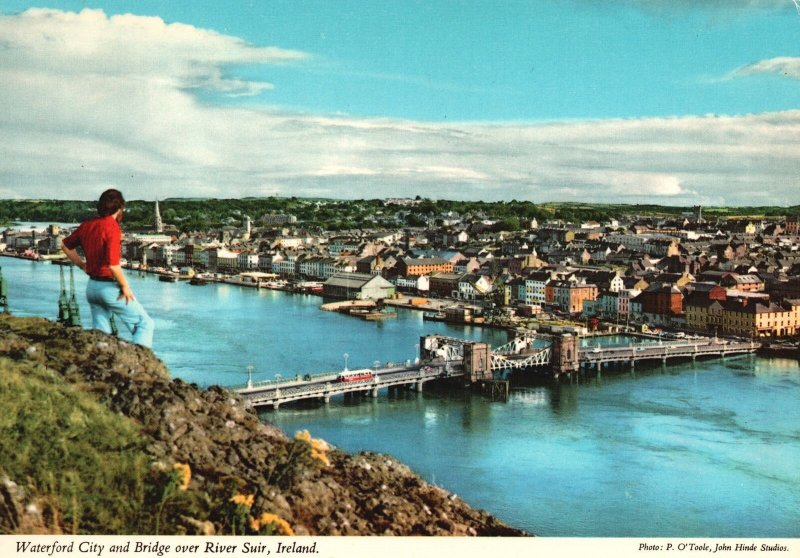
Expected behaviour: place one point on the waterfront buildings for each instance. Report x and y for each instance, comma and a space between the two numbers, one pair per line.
737, 277
742, 314
358, 286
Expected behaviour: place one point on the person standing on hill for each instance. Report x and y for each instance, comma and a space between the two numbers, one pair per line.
108, 291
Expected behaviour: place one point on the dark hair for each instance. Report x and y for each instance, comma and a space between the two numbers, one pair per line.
110, 201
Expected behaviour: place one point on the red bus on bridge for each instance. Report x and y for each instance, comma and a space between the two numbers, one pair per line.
355, 375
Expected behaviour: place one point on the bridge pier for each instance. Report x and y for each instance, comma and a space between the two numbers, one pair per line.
374, 393
276, 406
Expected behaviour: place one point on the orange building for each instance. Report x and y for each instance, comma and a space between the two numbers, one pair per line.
569, 296
423, 266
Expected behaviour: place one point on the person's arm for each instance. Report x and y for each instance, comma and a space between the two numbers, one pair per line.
124, 289
73, 256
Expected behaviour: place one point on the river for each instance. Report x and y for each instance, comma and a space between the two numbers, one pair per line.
710, 449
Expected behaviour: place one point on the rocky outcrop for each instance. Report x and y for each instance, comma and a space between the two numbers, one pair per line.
314, 488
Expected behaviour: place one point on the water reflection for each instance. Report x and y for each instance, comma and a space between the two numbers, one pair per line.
564, 399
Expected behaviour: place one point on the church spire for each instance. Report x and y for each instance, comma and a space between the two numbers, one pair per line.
159, 223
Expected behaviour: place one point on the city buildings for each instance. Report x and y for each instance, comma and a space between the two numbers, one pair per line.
727, 276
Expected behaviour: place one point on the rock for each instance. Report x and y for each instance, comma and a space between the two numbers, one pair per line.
222, 441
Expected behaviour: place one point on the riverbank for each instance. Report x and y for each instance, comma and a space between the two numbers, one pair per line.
33, 256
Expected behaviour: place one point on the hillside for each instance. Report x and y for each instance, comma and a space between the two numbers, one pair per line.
97, 438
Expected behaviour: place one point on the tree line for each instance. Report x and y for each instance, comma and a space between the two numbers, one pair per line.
331, 214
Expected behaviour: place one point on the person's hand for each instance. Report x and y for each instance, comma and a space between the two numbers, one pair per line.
126, 293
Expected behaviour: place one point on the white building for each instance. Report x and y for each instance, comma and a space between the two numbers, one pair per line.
247, 260
535, 283
413, 283
310, 266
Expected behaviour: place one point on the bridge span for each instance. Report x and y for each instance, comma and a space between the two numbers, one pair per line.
703, 347
444, 357
322, 387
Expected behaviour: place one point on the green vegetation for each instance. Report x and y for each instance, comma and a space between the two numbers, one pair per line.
81, 452
88, 471
86, 465
330, 214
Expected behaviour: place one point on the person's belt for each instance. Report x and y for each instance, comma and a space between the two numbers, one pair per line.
103, 279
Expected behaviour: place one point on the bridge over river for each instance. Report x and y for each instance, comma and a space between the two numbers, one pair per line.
693, 348
444, 358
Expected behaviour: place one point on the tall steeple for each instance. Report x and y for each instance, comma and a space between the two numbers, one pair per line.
159, 223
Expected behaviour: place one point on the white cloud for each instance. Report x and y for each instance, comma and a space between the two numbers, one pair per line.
89, 101
786, 66
134, 48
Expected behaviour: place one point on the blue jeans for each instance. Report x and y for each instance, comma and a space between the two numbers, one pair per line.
102, 296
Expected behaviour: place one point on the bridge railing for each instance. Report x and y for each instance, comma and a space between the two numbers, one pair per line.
300, 379
289, 380
636, 352
319, 389
320, 381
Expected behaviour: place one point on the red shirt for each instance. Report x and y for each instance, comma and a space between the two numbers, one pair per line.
101, 240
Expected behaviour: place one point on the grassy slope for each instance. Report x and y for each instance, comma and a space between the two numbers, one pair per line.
68, 449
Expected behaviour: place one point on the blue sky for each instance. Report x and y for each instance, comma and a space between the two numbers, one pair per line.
625, 100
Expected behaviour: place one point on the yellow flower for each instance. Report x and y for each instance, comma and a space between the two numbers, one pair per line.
319, 447
304, 436
245, 500
320, 456
185, 474
271, 519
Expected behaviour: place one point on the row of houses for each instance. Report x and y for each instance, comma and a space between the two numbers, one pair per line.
642, 269
720, 311
708, 308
